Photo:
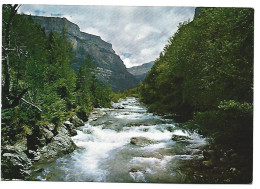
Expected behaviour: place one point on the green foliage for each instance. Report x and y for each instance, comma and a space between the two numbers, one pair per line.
245, 108
133, 92
205, 73
206, 61
40, 65
89, 91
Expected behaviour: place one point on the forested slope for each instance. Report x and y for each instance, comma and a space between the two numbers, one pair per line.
39, 85
205, 76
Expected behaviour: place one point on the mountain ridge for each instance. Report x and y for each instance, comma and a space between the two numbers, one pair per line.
110, 68
140, 71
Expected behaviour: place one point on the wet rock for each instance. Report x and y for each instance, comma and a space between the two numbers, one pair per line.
14, 163
108, 122
140, 141
33, 155
114, 126
179, 137
61, 144
170, 128
131, 124
95, 119
76, 121
133, 170
145, 129
89, 131
119, 107
68, 124
102, 113
156, 155
47, 134
50, 127
71, 128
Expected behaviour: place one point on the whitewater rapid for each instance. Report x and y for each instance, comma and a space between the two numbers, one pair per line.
107, 152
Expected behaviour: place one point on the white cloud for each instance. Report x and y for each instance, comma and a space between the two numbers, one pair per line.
140, 31
92, 30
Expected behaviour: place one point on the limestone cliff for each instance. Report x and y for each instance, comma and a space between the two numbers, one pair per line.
110, 68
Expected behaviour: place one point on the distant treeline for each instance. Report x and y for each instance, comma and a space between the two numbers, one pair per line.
205, 75
39, 85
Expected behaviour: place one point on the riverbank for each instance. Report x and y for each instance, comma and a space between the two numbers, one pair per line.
45, 145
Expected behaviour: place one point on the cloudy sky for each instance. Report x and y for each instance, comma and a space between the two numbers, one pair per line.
138, 34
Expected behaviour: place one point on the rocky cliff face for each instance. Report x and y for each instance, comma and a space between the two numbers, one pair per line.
140, 71
110, 68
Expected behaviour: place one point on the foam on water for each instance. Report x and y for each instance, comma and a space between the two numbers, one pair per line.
100, 145
101, 142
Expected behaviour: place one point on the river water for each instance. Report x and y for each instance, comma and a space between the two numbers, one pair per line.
127, 144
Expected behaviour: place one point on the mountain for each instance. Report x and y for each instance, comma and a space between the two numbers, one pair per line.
140, 71
110, 68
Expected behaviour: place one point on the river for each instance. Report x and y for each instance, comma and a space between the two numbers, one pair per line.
125, 143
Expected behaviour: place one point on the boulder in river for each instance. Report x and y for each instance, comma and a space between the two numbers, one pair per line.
95, 119
119, 107
61, 144
76, 121
179, 137
140, 141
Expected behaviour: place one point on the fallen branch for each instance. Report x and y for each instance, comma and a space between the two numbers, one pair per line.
26, 102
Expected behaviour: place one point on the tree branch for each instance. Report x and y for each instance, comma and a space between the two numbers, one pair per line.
34, 106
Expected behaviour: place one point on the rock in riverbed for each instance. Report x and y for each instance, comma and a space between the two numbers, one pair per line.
76, 121
119, 107
140, 141
61, 144
179, 137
